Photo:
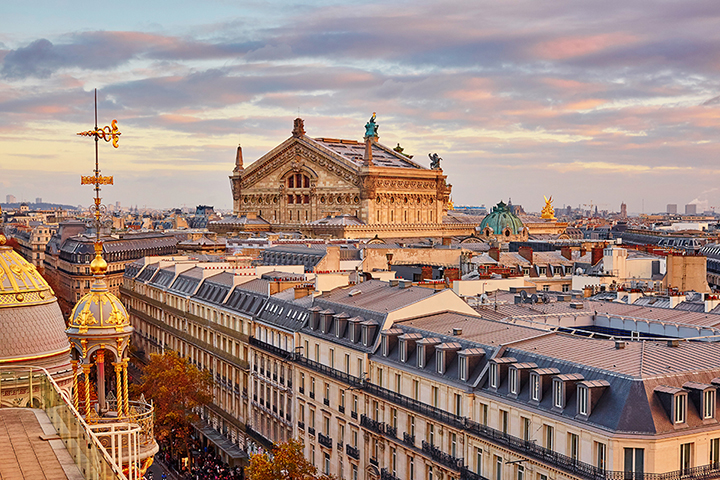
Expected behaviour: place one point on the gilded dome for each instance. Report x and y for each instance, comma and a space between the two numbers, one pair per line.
500, 219
99, 310
32, 328
20, 282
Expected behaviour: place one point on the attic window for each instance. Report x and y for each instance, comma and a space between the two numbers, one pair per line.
494, 375
421, 356
440, 361
385, 348
403, 351
583, 400
365, 335
709, 404
513, 381
680, 408
463, 367
558, 393
535, 387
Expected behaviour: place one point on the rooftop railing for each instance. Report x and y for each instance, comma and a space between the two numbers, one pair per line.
83, 445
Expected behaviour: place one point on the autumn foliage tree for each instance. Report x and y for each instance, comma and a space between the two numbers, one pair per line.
176, 388
286, 462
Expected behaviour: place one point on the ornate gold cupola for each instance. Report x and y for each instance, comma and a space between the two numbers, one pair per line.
99, 331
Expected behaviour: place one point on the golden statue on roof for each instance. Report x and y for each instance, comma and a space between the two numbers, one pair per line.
548, 212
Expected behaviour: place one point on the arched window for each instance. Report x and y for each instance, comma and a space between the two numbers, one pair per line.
295, 181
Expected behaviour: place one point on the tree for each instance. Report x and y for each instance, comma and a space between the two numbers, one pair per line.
287, 462
177, 388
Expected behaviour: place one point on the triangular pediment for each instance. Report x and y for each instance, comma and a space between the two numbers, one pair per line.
296, 153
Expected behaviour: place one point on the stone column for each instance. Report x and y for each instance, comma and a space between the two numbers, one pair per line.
100, 367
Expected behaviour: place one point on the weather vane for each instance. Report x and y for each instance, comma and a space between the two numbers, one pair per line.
107, 133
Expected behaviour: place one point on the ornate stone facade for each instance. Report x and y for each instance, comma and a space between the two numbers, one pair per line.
304, 179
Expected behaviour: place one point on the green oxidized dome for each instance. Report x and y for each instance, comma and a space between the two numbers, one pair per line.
499, 218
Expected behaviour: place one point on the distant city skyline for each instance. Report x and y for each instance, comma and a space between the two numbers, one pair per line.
596, 103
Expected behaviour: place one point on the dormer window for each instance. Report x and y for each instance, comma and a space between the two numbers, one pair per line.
535, 389
440, 361
680, 408
494, 380
365, 335
513, 386
421, 356
403, 351
385, 346
583, 401
463, 367
708, 404
558, 393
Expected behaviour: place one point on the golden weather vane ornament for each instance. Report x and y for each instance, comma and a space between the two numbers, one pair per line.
107, 133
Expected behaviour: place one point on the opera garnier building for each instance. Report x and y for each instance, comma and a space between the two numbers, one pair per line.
340, 187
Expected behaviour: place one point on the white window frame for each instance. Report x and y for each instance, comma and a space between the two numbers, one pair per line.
493, 375
513, 380
583, 400
558, 397
709, 404
680, 408
440, 362
421, 356
535, 390
463, 367
403, 351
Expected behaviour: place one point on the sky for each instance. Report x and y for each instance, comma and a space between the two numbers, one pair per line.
591, 103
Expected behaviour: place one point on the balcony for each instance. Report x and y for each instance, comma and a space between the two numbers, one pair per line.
374, 461
311, 431
371, 424
301, 425
340, 446
442, 457
467, 474
409, 439
326, 402
324, 440
301, 390
341, 409
353, 415
352, 452
390, 430
312, 395
386, 475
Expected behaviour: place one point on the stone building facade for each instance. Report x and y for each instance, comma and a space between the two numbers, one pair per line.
306, 179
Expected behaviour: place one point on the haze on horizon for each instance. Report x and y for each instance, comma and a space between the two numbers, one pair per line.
585, 101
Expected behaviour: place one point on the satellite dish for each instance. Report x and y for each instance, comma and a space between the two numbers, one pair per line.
523, 295
534, 298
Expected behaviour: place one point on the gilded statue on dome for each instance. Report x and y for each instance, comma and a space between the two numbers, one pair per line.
548, 212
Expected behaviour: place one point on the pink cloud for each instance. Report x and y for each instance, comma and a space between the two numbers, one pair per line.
578, 46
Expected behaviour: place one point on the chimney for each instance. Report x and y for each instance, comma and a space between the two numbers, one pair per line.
566, 252
619, 344
597, 255
711, 301
494, 253
526, 253
238, 160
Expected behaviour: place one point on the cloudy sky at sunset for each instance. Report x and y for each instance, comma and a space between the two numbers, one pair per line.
601, 102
